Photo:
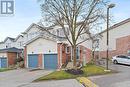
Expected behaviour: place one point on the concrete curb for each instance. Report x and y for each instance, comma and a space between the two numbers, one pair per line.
86, 82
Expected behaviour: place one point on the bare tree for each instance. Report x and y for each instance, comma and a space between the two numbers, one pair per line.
95, 45
78, 17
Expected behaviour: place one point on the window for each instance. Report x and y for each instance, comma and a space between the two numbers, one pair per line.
21, 43
122, 56
8, 45
78, 52
67, 49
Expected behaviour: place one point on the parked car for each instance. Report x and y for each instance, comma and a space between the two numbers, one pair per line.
122, 59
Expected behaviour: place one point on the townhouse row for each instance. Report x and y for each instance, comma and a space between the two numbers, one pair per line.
42, 50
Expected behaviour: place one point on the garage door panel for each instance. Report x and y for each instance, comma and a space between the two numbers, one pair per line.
50, 61
33, 60
3, 62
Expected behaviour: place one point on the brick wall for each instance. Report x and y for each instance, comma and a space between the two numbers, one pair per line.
59, 54
62, 53
40, 57
25, 56
11, 58
67, 56
85, 51
88, 55
122, 46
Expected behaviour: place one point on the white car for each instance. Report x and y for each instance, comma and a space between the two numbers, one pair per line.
122, 59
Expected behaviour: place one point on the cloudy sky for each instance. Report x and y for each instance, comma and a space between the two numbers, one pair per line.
28, 11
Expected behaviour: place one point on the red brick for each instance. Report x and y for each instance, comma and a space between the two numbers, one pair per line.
122, 46
40, 60
11, 58
25, 56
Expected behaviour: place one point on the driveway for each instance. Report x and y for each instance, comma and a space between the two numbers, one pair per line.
121, 79
19, 78
24, 78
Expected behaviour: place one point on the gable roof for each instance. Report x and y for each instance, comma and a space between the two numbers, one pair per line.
40, 36
33, 24
117, 25
18, 37
37, 26
13, 49
10, 38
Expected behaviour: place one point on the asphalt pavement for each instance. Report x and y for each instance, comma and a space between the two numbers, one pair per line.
120, 79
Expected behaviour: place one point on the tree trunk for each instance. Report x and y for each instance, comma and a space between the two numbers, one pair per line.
74, 56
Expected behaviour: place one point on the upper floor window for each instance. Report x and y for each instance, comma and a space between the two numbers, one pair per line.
8, 45
67, 49
20, 43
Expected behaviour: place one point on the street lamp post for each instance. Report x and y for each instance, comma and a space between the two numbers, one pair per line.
108, 8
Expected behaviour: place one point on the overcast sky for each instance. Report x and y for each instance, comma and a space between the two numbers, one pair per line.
28, 12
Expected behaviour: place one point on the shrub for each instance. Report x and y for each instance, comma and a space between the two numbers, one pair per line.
75, 71
19, 59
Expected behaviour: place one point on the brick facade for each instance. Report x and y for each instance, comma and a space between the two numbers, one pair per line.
88, 55
84, 53
25, 56
40, 57
122, 47
62, 55
11, 58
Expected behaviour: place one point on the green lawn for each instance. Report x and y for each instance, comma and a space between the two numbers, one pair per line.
89, 70
4, 69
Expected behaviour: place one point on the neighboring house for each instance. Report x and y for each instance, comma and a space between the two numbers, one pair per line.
9, 42
31, 32
19, 42
2, 45
8, 56
119, 40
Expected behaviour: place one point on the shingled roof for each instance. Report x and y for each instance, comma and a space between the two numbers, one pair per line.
13, 49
